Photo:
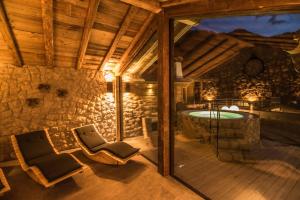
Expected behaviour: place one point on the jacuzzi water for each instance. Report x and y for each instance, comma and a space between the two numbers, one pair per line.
213, 115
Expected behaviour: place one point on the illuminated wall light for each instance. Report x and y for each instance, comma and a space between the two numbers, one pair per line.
150, 86
252, 98
150, 91
108, 76
209, 97
107, 67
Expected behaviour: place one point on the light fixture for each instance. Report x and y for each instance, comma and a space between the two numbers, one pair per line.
225, 108
209, 97
108, 76
234, 108
150, 86
252, 98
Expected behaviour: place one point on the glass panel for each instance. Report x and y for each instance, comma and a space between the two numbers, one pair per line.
237, 97
140, 123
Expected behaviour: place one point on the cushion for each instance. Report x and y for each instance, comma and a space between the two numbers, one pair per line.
89, 136
54, 166
119, 149
34, 144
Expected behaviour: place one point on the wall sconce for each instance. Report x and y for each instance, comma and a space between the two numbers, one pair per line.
109, 76
127, 87
252, 99
109, 87
150, 86
209, 97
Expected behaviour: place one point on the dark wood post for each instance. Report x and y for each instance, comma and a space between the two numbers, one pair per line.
165, 27
119, 107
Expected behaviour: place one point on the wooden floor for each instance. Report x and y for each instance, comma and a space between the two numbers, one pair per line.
138, 180
146, 147
275, 176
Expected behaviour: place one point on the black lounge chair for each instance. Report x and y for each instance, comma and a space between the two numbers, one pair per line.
4, 186
98, 149
38, 157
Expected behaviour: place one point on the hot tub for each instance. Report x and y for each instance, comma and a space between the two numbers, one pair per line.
214, 114
237, 131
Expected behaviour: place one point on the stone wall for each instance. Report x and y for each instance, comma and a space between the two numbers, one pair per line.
139, 102
277, 78
85, 102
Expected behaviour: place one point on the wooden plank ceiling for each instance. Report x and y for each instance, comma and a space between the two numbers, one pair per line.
69, 33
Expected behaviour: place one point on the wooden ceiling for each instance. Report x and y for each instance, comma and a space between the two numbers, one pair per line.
202, 51
74, 33
68, 33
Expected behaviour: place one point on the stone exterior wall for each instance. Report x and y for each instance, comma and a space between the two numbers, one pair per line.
139, 102
277, 78
86, 102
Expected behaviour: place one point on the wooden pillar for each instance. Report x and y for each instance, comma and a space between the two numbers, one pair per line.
165, 28
119, 107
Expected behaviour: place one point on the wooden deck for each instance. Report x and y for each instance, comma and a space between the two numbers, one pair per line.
276, 174
138, 180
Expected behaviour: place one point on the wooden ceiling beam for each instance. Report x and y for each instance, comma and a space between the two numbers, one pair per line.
47, 18
135, 45
88, 25
198, 55
220, 60
149, 54
170, 3
122, 30
212, 8
203, 66
8, 35
194, 52
150, 5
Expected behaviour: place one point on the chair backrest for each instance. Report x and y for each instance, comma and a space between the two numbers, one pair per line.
34, 144
4, 186
89, 136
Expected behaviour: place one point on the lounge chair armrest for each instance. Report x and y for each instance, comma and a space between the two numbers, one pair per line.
50, 141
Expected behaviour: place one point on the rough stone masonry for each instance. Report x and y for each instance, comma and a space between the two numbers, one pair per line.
86, 102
